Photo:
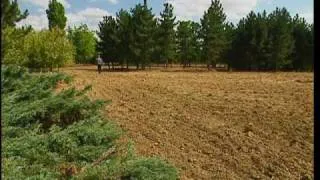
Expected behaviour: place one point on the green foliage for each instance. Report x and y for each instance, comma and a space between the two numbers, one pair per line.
44, 49
185, 41
166, 35
260, 41
143, 43
56, 15
11, 14
303, 37
281, 37
124, 21
109, 40
84, 42
149, 169
272, 42
50, 134
213, 32
13, 44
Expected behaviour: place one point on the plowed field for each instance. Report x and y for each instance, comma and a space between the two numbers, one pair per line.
213, 125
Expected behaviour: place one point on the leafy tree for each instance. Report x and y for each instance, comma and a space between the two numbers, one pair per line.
13, 44
44, 49
10, 15
213, 24
143, 30
167, 34
109, 39
85, 43
56, 15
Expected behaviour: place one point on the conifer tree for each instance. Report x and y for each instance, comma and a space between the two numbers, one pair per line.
124, 30
167, 34
10, 13
143, 29
184, 41
282, 40
213, 24
108, 44
302, 55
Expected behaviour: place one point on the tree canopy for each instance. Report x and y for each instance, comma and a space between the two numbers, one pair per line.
56, 15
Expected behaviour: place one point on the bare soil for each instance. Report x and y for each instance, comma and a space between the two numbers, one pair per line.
213, 125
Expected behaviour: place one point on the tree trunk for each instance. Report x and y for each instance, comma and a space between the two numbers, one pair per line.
127, 64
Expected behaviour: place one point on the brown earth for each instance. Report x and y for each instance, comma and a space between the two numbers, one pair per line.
213, 125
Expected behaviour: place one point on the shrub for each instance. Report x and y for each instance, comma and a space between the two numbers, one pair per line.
52, 135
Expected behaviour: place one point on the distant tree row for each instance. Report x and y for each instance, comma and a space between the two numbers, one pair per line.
260, 41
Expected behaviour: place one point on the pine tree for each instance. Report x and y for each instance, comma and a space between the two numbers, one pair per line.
11, 14
56, 15
213, 24
281, 37
143, 31
242, 52
124, 29
109, 40
302, 55
230, 35
184, 41
195, 42
263, 44
167, 34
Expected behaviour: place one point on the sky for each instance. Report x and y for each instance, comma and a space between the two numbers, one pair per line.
91, 12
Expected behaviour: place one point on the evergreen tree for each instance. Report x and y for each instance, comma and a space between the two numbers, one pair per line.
302, 55
10, 13
263, 43
167, 34
56, 15
157, 51
195, 42
213, 24
282, 40
143, 31
230, 35
184, 41
109, 41
124, 30
243, 46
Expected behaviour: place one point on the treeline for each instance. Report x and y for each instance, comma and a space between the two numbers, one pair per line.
260, 41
